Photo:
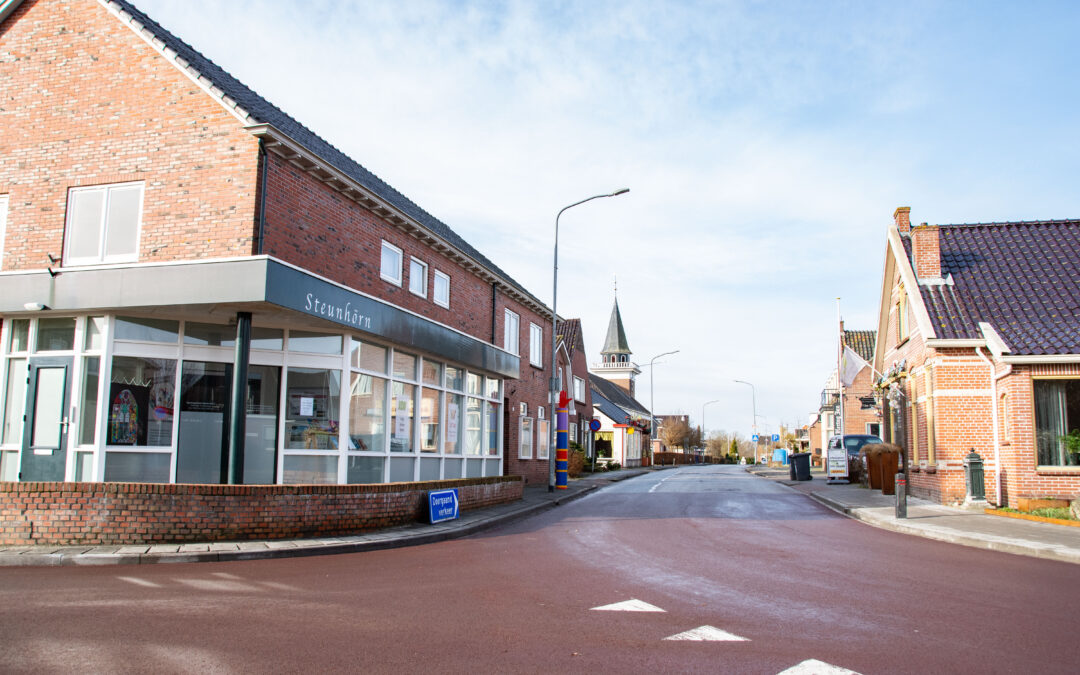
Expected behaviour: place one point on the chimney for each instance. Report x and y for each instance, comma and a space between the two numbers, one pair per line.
926, 251
902, 218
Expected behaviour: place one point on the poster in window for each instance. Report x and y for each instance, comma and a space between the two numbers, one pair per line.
401, 418
452, 420
128, 411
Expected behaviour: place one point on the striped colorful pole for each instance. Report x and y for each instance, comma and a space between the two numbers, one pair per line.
562, 418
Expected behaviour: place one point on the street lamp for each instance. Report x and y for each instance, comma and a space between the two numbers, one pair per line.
553, 384
753, 402
703, 442
652, 408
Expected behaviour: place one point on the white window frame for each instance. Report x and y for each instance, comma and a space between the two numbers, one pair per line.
3, 225
103, 256
441, 276
387, 246
579, 389
525, 450
536, 345
511, 338
543, 438
415, 262
523, 410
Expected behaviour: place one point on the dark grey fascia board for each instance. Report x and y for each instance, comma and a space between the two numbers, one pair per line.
246, 281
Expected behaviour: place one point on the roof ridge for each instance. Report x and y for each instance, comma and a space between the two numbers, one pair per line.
1056, 221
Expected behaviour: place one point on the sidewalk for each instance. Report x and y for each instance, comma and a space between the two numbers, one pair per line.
535, 500
934, 521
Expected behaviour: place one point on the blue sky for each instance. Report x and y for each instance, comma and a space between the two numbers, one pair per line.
765, 144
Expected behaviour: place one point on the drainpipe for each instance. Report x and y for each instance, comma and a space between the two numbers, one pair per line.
994, 377
263, 161
494, 299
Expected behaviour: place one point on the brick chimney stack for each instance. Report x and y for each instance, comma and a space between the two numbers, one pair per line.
902, 217
926, 251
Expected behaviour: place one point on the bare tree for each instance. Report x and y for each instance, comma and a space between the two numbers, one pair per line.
678, 434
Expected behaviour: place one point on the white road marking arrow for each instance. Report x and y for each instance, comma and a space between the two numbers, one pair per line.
815, 667
631, 605
707, 634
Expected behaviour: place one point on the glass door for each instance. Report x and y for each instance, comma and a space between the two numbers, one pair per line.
44, 449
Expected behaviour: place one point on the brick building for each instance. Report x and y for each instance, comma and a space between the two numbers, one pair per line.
196, 288
861, 414
979, 346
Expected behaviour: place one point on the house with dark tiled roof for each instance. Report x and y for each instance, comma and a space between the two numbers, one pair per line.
218, 295
575, 378
861, 414
979, 351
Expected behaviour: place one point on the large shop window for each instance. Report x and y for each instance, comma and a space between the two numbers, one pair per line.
1057, 415
103, 224
312, 399
141, 400
367, 413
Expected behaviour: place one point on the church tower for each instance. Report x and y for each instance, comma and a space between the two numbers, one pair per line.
616, 365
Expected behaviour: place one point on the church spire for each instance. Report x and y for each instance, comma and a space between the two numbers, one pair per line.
615, 343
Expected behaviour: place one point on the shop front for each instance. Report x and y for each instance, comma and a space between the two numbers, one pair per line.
130, 374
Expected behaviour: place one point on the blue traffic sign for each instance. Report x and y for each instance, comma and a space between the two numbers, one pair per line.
594, 425
443, 505
776, 438
755, 438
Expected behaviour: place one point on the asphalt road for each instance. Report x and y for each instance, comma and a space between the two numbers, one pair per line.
772, 578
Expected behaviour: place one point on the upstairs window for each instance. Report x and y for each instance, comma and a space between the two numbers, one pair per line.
418, 277
103, 224
579, 389
442, 289
536, 345
391, 264
510, 332
901, 317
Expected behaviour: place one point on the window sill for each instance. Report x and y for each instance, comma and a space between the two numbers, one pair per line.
394, 282
1058, 470
538, 366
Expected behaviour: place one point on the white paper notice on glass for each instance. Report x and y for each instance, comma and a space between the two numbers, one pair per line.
401, 419
451, 420
307, 406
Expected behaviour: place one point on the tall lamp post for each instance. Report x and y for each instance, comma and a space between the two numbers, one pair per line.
753, 402
554, 382
703, 442
652, 408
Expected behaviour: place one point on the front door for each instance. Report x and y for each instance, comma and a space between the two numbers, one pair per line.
45, 425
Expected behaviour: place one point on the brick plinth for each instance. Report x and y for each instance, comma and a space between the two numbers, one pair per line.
65, 514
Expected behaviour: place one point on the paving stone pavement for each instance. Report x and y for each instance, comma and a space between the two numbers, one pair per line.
935, 521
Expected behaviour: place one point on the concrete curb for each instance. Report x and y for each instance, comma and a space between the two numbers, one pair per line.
988, 542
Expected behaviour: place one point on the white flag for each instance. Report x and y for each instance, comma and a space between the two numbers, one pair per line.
850, 365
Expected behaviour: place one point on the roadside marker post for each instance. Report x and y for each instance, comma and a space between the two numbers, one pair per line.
562, 419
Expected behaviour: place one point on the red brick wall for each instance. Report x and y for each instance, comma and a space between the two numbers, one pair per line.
88, 102
64, 514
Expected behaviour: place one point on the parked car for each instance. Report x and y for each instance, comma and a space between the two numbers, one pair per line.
853, 443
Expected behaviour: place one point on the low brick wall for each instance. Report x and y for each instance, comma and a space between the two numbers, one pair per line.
142, 513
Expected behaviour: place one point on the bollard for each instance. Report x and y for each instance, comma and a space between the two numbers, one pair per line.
973, 476
901, 495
